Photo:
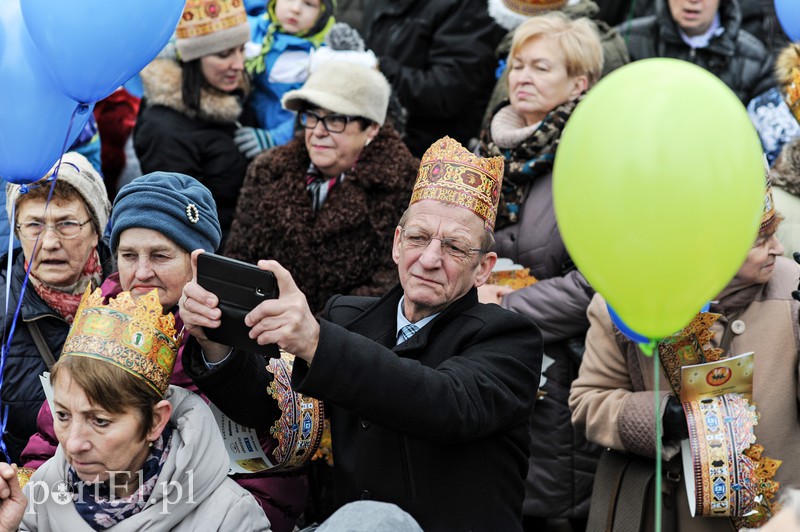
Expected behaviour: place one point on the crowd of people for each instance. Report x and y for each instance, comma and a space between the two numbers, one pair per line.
379, 169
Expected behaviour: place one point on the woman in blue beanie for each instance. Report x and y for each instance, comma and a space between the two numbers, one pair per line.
157, 220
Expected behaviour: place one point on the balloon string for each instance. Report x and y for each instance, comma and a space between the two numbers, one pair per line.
659, 473
5, 347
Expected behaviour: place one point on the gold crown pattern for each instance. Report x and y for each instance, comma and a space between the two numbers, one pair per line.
450, 173
134, 335
530, 8
204, 17
769, 217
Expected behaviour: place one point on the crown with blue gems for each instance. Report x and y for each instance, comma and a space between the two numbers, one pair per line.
452, 174
132, 334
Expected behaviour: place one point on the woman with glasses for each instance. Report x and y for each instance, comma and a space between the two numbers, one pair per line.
325, 205
62, 246
552, 63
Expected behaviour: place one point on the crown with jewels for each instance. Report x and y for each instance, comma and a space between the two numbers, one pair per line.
452, 174
204, 17
132, 334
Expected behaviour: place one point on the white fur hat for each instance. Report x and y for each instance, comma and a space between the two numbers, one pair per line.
511, 13
343, 87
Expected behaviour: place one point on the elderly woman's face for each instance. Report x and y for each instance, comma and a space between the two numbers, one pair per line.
57, 261
97, 442
538, 81
334, 153
148, 260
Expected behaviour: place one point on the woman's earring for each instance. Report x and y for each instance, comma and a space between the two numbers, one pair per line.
369, 139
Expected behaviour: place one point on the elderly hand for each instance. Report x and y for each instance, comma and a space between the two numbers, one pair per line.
493, 293
251, 141
286, 321
198, 310
12, 500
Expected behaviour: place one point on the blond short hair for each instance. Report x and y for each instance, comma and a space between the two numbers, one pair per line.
578, 39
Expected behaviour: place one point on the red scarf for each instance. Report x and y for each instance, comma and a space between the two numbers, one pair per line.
65, 301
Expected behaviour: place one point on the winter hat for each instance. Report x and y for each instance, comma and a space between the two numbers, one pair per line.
77, 171
209, 27
343, 87
370, 516
176, 205
511, 13
787, 74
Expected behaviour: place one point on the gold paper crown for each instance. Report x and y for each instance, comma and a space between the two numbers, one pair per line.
134, 335
204, 17
530, 8
450, 173
769, 217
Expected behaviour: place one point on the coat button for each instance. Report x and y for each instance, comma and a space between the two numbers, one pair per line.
738, 327
364, 424
366, 495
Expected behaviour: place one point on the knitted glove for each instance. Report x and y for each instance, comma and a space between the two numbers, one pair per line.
251, 141
674, 421
342, 36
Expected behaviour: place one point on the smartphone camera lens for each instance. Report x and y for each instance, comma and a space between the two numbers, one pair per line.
260, 292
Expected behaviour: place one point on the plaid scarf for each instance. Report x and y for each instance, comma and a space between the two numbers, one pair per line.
100, 508
65, 300
319, 186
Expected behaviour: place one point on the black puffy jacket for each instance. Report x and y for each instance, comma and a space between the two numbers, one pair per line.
22, 392
735, 56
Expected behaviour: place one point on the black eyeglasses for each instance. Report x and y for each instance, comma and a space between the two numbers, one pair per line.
417, 238
332, 123
65, 229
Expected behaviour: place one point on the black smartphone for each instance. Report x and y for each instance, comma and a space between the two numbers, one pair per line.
240, 287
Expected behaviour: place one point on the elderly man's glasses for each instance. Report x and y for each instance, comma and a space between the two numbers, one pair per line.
65, 229
417, 238
331, 123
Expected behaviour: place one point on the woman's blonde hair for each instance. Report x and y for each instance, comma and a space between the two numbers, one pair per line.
578, 39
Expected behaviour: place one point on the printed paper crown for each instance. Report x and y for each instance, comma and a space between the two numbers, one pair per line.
450, 173
530, 8
769, 217
204, 17
134, 335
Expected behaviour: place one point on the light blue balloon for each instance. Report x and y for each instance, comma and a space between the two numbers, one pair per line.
94, 46
788, 12
35, 116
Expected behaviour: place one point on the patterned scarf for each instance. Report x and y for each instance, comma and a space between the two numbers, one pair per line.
532, 156
100, 508
65, 300
319, 186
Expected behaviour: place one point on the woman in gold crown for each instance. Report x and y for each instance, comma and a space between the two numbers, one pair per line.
134, 453
553, 62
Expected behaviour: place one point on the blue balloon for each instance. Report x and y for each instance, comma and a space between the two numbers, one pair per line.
94, 46
624, 329
36, 115
788, 12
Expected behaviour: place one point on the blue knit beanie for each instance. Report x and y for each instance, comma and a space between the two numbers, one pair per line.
176, 205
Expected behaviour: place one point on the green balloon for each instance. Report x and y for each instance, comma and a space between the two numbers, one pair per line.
658, 189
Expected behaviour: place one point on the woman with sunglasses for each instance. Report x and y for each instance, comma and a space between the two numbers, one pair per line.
325, 205
62, 245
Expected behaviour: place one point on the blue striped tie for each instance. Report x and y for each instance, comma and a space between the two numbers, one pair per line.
407, 332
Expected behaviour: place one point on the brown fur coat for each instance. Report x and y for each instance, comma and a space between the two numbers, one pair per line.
346, 247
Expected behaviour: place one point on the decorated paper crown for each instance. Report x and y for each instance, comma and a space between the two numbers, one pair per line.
451, 174
211, 26
769, 217
134, 335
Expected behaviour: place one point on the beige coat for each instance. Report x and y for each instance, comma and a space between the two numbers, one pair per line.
613, 397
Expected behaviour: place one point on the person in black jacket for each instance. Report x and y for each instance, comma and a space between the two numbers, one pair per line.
193, 103
429, 391
439, 57
707, 34
63, 246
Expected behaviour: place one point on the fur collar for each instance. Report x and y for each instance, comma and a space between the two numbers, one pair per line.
162, 86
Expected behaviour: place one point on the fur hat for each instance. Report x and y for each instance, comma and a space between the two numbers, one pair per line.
343, 87
176, 205
511, 13
209, 27
77, 171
